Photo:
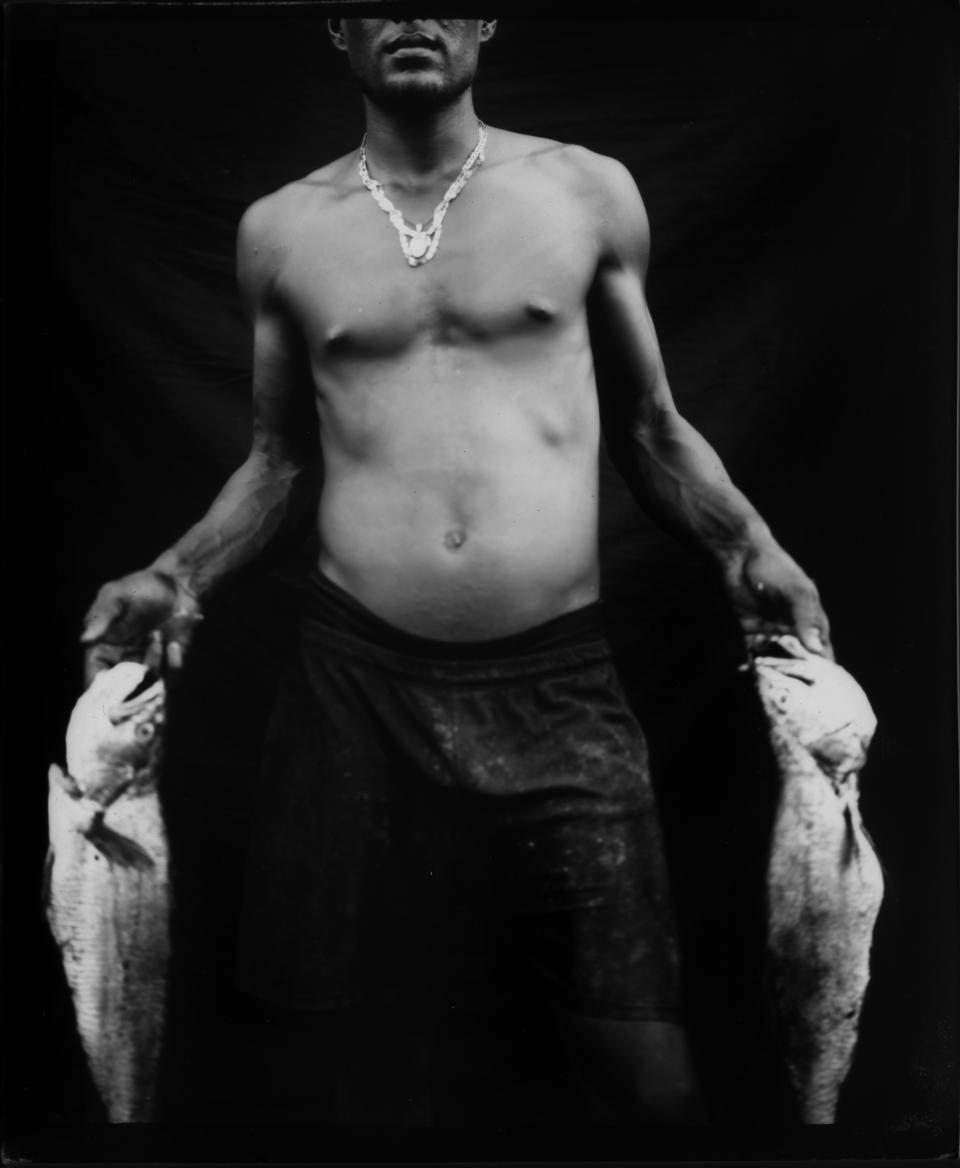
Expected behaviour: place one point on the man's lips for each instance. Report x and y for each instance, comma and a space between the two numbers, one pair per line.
411, 41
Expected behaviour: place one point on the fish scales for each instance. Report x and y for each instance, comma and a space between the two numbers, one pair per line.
108, 895
824, 883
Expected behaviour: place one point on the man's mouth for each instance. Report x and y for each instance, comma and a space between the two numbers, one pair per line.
413, 40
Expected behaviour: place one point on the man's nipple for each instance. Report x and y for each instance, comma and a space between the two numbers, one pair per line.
455, 538
336, 338
541, 309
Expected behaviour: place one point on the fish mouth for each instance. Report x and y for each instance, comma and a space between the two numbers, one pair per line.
150, 678
149, 691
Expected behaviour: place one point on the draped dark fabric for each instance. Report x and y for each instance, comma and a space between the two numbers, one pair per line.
800, 179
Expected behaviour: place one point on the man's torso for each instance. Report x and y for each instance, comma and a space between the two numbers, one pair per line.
457, 402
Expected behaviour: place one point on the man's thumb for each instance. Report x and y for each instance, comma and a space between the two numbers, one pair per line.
813, 639
99, 620
813, 633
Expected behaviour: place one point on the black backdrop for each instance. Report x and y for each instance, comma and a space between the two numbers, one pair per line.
799, 170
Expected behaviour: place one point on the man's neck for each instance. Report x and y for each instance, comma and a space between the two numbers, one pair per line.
415, 150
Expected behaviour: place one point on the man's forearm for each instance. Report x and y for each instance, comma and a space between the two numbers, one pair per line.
678, 478
260, 502
680, 481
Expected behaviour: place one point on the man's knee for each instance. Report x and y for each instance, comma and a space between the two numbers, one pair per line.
672, 1102
634, 1072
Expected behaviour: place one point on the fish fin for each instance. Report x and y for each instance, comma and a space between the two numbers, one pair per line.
779, 646
884, 871
797, 668
118, 849
850, 846
64, 780
46, 890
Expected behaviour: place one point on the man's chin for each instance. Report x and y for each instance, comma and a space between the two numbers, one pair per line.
413, 92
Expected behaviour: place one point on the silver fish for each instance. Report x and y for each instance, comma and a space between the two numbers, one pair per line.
824, 881
107, 890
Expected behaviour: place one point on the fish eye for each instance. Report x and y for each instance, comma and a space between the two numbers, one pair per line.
144, 731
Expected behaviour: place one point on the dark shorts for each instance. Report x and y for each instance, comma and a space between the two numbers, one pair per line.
412, 786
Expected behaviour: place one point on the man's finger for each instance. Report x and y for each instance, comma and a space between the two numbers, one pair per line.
812, 639
98, 658
153, 658
99, 620
814, 634
178, 633
760, 594
818, 641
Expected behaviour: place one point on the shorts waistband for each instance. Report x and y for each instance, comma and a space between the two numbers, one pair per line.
330, 609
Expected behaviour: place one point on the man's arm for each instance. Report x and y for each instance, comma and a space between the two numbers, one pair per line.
157, 608
671, 470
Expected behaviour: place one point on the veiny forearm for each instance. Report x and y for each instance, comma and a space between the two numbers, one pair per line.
678, 478
260, 503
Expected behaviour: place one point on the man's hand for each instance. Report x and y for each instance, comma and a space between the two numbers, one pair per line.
146, 616
772, 594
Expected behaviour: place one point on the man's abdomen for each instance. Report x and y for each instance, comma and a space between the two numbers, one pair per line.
470, 532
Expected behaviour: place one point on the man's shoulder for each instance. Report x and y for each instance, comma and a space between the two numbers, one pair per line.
271, 227
599, 177
584, 172
271, 217
601, 188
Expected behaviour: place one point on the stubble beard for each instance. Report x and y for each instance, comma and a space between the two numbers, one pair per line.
415, 97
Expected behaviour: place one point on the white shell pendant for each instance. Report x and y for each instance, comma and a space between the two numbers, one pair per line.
419, 242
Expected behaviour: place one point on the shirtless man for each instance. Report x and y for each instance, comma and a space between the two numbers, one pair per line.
452, 671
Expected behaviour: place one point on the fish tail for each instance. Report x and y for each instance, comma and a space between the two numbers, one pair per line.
853, 822
884, 871
65, 781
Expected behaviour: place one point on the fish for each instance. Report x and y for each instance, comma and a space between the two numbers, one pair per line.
106, 887
824, 880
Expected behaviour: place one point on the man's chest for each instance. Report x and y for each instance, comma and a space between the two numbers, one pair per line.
511, 261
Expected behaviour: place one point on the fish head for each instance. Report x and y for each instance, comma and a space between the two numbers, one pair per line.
113, 737
815, 703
